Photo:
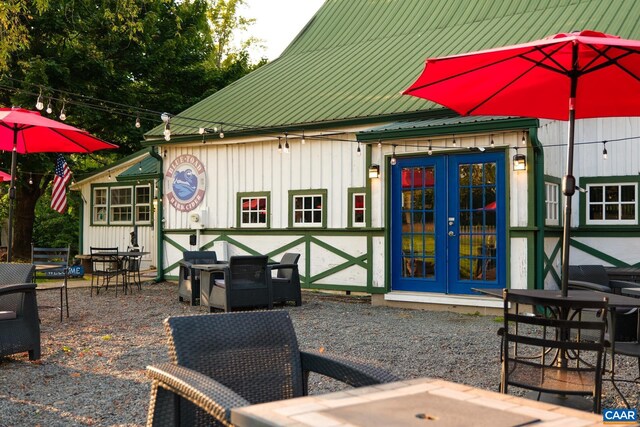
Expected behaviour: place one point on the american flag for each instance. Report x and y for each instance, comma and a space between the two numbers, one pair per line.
60, 181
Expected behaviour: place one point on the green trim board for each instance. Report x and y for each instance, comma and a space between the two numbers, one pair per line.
319, 192
240, 196
312, 242
557, 181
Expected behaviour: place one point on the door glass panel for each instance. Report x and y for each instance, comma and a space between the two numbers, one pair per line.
477, 221
418, 213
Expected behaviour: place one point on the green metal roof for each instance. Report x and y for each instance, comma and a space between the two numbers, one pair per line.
352, 60
147, 168
444, 126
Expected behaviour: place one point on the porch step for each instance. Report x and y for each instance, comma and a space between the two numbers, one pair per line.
433, 301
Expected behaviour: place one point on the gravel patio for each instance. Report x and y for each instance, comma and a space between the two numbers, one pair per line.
92, 371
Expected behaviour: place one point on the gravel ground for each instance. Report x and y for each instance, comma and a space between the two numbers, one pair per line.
92, 370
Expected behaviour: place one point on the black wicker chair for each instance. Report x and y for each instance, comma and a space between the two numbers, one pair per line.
286, 285
189, 277
226, 360
246, 284
547, 352
596, 278
19, 323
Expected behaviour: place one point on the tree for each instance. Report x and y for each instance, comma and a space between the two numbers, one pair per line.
134, 55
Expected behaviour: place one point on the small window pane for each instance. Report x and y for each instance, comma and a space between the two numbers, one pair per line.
612, 203
307, 210
253, 211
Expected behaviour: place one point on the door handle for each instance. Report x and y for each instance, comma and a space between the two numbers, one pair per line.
451, 234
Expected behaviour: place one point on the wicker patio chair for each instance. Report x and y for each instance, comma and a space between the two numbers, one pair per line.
226, 360
19, 322
189, 277
246, 284
52, 260
286, 284
547, 352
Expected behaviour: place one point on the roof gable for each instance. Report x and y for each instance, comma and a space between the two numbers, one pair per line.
354, 57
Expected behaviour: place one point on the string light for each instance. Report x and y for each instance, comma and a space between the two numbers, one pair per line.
605, 155
140, 167
359, 149
63, 112
138, 121
493, 144
165, 117
286, 143
109, 173
39, 103
30, 179
379, 144
393, 160
303, 141
430, 149
279, 145
454, 140
201, 131
221, 132
524, 139
49, 109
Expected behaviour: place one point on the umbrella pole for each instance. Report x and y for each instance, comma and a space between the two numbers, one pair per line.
12, 194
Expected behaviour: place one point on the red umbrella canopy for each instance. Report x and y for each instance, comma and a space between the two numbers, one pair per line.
534, 79
4, 176
37, 134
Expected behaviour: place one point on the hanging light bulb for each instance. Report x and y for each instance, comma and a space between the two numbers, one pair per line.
215, 129
524, 139
109, 173
279, 145
379, 144
454, 140
359, 150
30, 179
138, 121
286, 144
201, 131
140, 167
221, 132
167, 130
165, 117
63, 112
493, 144
429, 150
49, 109
39, 103
393, 160
605, 155
303, 141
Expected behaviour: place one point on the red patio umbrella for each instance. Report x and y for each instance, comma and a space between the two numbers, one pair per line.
23, 131
564, 77
4, 176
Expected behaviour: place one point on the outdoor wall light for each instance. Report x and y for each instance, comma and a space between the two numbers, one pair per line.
374, 171
519, 162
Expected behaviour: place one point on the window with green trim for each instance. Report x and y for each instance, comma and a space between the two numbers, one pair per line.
359, 210
307, 210
254, 211
100, 205
612, 203
552, 203
121, 204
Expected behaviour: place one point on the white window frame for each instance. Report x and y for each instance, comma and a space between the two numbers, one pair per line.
604, 203
355, 210
143, 204
113, 205
100, 206
313, 210
552, 203
251, 211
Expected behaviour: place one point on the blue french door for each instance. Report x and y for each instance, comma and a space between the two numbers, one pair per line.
448, 223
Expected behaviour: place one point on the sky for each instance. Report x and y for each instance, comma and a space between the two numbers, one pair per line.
277, 22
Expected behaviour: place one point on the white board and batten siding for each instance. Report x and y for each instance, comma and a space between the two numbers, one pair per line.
114, 235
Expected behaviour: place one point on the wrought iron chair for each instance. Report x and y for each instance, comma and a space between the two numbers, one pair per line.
189, 277
52, 262
132, 268
246, 283
286, 284
226, 360
19, 322
546, 352
106, 266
